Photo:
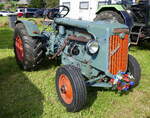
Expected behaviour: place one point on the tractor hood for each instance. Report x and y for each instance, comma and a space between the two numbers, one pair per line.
97, 28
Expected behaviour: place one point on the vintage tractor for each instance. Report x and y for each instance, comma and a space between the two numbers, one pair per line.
135, 15
92, 54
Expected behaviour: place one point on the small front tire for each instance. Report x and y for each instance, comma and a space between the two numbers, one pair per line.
134, 69
71, 88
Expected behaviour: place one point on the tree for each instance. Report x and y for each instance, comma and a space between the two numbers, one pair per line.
51, 3
43, 3
37, 3
1, 6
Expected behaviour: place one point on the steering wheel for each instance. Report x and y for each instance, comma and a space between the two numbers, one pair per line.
63, 11
63, 8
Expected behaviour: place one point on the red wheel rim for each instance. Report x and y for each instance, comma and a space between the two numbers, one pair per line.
19, 48
65, 89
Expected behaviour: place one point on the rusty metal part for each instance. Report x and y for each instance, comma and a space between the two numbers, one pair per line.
79, 38
59, 50
84, 32
120, 30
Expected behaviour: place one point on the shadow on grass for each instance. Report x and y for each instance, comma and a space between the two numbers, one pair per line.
19, 98
47, 64
145, 45
92, 94
6, 35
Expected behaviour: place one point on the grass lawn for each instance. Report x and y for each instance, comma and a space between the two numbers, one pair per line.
32, 94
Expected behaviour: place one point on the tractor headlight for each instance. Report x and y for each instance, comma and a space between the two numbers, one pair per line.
92, 46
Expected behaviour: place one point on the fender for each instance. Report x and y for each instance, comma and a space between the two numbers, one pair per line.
103, 7
31, 28
119, 9
128, 19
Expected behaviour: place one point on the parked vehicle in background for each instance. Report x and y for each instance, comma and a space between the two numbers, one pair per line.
53, 11
20, 11
5, 13
44, 12
29, 12
26, 12
20, 14
38, 13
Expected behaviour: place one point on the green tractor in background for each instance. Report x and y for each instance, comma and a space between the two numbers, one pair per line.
135, 15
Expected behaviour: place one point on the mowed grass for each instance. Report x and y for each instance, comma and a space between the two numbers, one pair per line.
33, 95
4, 21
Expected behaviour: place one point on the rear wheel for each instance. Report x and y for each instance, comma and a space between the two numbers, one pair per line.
134, 69
28, 51
110, 16
71, 88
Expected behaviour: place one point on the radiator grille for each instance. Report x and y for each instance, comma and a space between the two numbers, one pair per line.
118, 54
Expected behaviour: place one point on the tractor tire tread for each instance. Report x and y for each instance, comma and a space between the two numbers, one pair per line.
32, 49
79, 88
135, 68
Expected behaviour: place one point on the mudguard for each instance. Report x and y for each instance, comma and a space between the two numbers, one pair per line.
103, 7
120, 9
31, 28
128, 19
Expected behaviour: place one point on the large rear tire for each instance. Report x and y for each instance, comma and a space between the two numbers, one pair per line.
110, 16
134, 69
28, 51
71, 88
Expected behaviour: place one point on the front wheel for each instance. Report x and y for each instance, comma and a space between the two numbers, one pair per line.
134, 69
71, 88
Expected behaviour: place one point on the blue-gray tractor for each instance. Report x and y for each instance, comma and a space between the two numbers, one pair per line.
92, 54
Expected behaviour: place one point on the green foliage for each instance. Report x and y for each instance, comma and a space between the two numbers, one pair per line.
1, 6
13, 5
51, 3
43, 3
37, 4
